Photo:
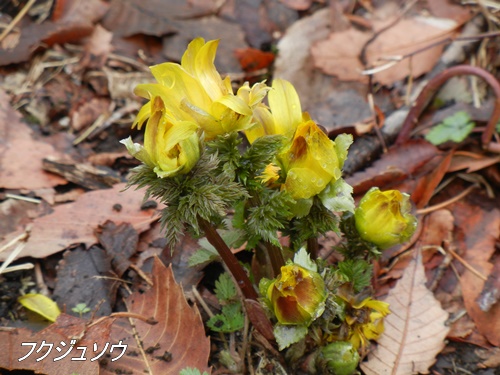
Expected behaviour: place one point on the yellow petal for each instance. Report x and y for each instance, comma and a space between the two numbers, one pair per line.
206, 72
235, 103
189, 57
285, 106
40, 304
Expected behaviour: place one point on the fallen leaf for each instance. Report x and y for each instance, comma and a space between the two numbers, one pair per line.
414, 331
97, 49
20, 154
64, 330
76, 22
252, 59
481, 227
175, 342
394, 166
339, 54
428, 183
85, 113
120, 243
297, 4
83, 276
76, 222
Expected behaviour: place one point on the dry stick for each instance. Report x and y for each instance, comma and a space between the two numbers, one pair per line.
229, 259
432, 87
447, 202
16, 20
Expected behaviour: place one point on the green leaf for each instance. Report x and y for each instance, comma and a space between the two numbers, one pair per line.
224, 288
357, 271
288, 335
202, 257
192, 371
337, 196
230, 319
303, 259
454, 128
342, 143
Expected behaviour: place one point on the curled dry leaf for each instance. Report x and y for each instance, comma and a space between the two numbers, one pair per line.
415, 329
175, 342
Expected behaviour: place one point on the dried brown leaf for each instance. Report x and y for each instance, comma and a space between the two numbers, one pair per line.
76, 222
339, 54
414, 331
20, 154
175, 342
481, 227
64, 329
394, 166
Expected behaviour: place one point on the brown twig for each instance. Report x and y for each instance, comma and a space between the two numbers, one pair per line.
229, 259
433, 86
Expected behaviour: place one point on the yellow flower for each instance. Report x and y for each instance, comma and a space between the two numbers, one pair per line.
171, 147
364, 317
194, 91
384, 218
310, 162
270, 174
297, 295
284, 115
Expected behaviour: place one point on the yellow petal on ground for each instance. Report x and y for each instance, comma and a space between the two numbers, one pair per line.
40, 304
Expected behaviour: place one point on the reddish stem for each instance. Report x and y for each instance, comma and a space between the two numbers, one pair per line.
229, 259
432, 87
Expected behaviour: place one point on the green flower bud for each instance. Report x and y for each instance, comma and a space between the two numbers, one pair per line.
297, 295
340, 358
384, 219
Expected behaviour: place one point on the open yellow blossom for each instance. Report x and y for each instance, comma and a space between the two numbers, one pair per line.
283, 116
364, 318
310, 161
194, 91
170, 147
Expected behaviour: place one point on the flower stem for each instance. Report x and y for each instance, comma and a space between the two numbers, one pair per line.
276, 258
312, 247
229, 259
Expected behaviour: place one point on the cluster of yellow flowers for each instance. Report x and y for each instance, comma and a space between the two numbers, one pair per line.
191, 102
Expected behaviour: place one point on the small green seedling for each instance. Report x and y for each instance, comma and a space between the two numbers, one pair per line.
454, 128
231, 317
81, 308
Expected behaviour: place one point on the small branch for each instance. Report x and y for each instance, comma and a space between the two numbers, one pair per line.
433, 86
229, 259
